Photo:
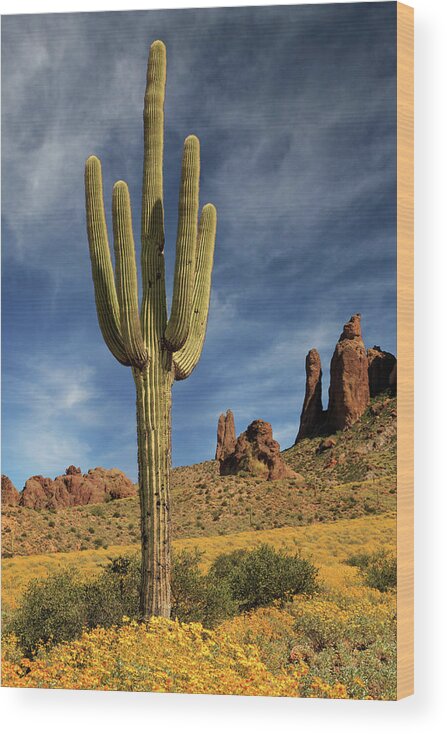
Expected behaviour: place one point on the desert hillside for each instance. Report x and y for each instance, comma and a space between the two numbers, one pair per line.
346, 475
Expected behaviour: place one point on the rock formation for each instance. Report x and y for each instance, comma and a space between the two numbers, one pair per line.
349, 388
75, 488
312, 414
10, 495
226, 435
356, 375
381, 366
257, 453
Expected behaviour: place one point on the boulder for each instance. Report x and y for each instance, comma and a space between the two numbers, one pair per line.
326, 445
10, 495
381, 368
257, 453
349, 388
312, 415
226, 435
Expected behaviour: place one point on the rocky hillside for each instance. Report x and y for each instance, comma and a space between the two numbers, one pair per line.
352, 475
366, 451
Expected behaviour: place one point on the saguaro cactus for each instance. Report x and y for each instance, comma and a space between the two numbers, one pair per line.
159, 350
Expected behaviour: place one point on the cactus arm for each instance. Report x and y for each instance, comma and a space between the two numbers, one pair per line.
188, 210
152, 226
187, 357
153, 309
102, 271
126, 277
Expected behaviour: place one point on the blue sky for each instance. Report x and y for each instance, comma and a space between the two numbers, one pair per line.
295, 108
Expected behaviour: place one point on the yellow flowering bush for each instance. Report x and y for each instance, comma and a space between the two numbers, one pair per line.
162, 656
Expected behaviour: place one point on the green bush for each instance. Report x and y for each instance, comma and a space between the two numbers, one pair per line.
196, 597
263, 575
379, 570
52, 610
114, 594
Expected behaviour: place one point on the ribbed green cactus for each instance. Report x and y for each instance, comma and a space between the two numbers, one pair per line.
158, 350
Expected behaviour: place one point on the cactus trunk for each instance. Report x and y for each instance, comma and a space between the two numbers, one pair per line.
153, 387
158, 350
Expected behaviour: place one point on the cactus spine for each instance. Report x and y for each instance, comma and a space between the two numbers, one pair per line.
159, 350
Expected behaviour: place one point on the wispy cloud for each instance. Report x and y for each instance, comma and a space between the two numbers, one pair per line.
51, 407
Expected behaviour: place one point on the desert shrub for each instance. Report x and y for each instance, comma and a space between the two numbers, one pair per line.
52, 610
114, 594
263, 575
351, 640
196, 597
379, 570
97, 511
359, 560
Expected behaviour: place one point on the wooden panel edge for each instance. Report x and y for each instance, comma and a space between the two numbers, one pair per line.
405, 351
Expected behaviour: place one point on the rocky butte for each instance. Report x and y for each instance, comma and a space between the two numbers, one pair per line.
355, 375
257, 453
69, 489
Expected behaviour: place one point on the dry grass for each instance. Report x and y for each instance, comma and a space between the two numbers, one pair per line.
326, 544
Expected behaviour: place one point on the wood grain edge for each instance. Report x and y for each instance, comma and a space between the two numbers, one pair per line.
405, 351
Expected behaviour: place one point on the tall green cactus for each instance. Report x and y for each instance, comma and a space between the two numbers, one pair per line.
159, 350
